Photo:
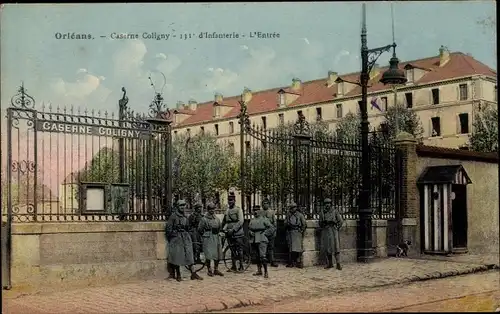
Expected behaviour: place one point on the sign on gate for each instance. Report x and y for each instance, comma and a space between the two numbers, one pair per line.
65, 127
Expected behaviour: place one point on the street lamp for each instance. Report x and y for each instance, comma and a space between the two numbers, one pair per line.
392, 76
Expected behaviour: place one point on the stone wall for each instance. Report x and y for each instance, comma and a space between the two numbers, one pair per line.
86, 253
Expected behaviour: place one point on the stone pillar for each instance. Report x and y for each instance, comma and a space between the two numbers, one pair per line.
409, 212
312, 242
379, 237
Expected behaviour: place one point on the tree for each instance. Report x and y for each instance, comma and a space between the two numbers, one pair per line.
22, 186
103, 167
203, 167
406, 120
484, 137
348, 129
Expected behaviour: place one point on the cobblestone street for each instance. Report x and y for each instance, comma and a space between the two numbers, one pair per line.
234, 290
468, 293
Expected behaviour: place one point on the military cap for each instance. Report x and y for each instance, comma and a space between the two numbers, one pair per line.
231, 195
265, 201
256, 208
327, 201
198, 205
181, 202
210, 206
292, 204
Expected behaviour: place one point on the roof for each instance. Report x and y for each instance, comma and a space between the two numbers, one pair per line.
318, 91
454, 174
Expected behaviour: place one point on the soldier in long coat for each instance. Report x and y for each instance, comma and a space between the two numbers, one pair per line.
194, 221
232, 224
295, 224
271, 215
170, 267
209, 228
260, 229
330, 221
180, 246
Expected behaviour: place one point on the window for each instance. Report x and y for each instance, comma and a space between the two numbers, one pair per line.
435, 96
281, 99
340, 89
202, 129
264, 122
231, 146
175, 132
247, 146
231, 127
464, 123
339, 111
299, 113
281, 118
436, 127
409, 100
188, 131
216, 129
410, 75
384, 103
318, 114
463, 92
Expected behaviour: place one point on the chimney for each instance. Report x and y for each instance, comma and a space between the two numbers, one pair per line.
247, 95
332, 76
218, 98
296, 84
375, 71
179, 105
444, 55
193, 104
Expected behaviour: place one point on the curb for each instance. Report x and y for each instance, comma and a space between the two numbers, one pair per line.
243, 302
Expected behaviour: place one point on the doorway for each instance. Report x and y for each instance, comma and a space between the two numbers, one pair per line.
459, 216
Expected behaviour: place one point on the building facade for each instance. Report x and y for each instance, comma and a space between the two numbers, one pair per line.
444, 90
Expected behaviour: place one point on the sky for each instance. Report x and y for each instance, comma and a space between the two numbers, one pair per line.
314, 38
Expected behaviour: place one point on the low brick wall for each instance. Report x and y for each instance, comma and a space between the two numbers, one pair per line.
85, 253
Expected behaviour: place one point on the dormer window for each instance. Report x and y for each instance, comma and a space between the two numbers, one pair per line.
216, 113
281, 98
340, 88
410, 75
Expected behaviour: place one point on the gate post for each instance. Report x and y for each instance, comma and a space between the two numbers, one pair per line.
407, 214
7, 256
301, 163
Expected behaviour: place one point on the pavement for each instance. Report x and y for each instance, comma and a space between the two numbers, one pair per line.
468, 293
236, 290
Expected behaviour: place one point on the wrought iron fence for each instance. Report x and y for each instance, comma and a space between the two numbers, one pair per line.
65, 164
307, 166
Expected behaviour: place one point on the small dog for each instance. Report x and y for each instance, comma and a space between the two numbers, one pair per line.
403, 248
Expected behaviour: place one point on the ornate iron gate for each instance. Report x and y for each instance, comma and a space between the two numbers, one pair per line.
72, 165
306, 166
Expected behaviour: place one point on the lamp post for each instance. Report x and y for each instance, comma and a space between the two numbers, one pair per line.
392, 76
244, 121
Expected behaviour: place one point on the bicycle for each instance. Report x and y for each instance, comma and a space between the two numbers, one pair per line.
228, 252
198, 264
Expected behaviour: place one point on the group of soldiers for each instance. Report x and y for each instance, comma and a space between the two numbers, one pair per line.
189, 237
